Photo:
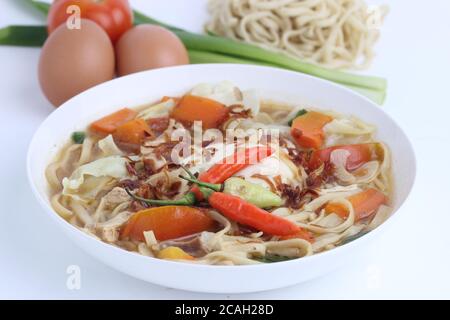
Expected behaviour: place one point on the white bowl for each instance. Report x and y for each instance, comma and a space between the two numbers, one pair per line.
272, 83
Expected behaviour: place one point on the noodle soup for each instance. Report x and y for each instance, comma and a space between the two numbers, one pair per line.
219, 177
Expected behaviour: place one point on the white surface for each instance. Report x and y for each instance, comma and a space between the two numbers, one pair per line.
271, 82
410, 261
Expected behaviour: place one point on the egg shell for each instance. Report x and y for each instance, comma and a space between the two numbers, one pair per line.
147, 47
73, 60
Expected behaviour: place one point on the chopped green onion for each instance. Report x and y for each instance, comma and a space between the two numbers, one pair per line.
298, 114
78, 137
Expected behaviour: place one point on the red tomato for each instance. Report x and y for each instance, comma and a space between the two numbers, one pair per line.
114, 16
359, 154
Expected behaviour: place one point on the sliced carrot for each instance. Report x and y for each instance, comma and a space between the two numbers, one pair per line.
359, 154
110, 123
168, 222
132, 132
193, 108
336, 208
364, 203
307, 129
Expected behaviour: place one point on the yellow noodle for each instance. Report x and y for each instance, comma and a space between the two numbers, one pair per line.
60, 208
333, 33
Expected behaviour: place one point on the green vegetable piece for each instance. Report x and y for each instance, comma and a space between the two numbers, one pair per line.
298, 114
26, 36
187, 200
252, 193
78, 137
270, 258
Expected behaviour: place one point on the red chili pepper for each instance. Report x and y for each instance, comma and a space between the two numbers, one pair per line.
246, 213
231, 165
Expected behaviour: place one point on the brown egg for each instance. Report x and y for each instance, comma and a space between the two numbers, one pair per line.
147, 47
73, 60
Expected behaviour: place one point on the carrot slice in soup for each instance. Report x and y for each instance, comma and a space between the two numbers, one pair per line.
364, 203
192, 108
168, 222
132, 132
307, 129
110, 123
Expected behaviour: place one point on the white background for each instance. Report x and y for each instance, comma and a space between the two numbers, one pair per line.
412, 260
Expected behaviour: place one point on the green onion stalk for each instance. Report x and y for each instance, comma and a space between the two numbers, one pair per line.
208, 48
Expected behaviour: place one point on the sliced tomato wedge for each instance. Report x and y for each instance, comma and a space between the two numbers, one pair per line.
359, 154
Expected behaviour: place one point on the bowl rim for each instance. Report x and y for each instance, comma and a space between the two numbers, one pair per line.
45, 204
